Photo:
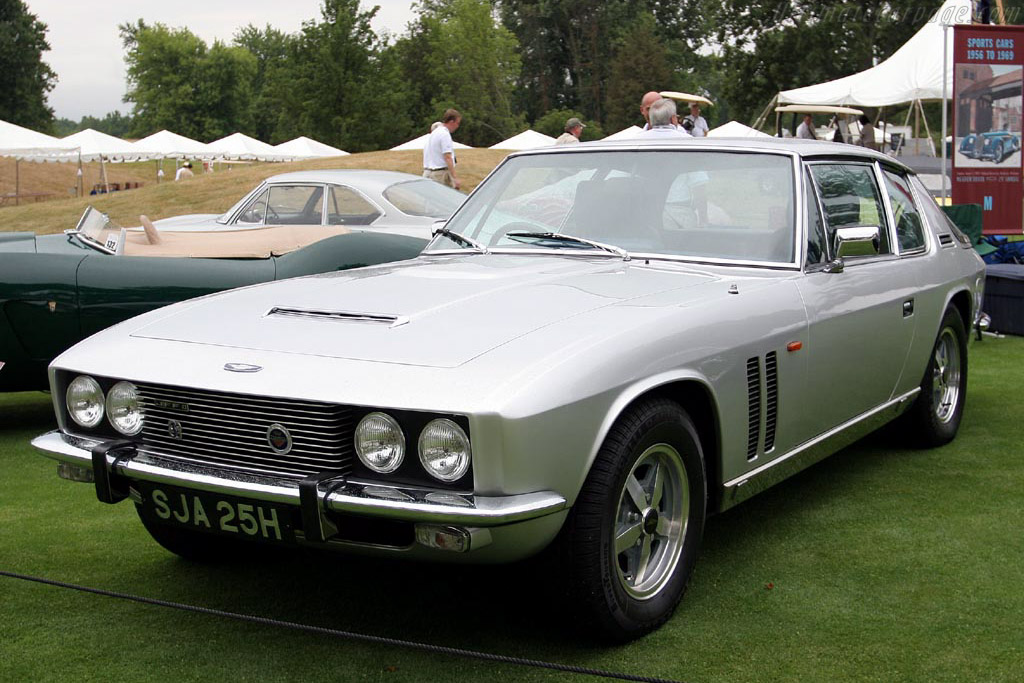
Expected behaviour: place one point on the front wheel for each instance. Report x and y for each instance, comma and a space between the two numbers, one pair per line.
934, 419
633, 534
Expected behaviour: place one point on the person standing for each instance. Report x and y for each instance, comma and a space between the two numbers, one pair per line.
699, 124
439, 152
184, 172
664, 122
645, 106
867, 133
805, 130
573, 129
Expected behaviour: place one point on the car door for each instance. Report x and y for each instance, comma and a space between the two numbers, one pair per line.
861, 319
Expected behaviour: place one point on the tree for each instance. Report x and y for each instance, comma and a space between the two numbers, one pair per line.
474, 63
780, 44
272, 49
641, 62
25, 79
180, 84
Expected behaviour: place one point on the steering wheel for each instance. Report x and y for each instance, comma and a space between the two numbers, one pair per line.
514, 226
272, 214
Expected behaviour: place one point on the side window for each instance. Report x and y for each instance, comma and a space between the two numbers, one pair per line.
850, 197
816, 240
348, 207
295, 205
909, 229
256, 211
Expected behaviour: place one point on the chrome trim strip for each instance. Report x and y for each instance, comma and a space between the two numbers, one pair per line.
741, 488
376, 500
338, 316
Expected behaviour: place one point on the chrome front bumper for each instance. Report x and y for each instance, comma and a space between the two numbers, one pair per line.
337, 495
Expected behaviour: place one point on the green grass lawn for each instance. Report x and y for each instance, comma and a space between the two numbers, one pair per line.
879, 564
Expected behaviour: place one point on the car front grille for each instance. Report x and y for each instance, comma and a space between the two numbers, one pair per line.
234, 431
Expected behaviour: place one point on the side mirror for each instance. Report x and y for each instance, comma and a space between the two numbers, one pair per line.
437, 225
857, 241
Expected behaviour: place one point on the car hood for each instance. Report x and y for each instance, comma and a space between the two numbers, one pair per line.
22, 242
433, 311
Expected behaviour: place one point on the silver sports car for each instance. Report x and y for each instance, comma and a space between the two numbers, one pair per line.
359, 199
602, 346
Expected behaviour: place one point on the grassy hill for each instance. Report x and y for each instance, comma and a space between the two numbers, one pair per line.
206, 193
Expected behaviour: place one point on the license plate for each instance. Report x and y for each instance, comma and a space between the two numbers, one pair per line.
216, 513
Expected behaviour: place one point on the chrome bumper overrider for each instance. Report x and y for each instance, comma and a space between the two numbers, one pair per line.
331, 494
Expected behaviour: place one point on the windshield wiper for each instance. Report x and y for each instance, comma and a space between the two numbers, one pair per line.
461, 239
561, 237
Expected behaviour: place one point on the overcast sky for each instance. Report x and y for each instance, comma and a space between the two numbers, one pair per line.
86, 53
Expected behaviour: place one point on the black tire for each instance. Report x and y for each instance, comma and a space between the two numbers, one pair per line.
628, 590
934, 418
197, 546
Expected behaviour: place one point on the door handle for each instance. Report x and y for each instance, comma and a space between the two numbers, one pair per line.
908, 308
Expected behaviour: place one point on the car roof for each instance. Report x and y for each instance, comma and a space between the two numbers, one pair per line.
804, 148
364, 178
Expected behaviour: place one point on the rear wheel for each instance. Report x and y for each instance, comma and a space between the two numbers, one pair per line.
935, 416
633, 534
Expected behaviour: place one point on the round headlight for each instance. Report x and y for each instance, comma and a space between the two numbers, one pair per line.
85, 401
444, 449
123, 409
380, 443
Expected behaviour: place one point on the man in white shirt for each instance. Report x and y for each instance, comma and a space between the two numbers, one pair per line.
184, 172
699, 127
664, 121
805, 130
439, 152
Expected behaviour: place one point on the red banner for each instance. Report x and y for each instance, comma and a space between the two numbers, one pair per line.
987, 81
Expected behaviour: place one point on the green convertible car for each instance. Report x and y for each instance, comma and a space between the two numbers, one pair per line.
55, 290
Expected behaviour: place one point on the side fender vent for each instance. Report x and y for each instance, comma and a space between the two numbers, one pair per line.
753, 406
946, 240
771, 399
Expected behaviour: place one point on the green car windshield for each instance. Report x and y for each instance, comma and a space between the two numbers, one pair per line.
701, 204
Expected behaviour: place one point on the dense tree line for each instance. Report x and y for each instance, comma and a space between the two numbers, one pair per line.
505, 64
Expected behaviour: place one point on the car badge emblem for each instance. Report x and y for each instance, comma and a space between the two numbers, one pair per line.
279, 438
174, 429
242, 367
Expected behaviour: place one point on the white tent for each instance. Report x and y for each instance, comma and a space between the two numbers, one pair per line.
97, 146
735, 129
166, 144
241, 146
421, 142
305, 148
913, 73
528, 139
23, 143
625, 133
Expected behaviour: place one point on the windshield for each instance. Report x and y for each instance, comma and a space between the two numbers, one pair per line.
424, 198
700, 204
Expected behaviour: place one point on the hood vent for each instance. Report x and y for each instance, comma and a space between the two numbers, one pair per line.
338, 316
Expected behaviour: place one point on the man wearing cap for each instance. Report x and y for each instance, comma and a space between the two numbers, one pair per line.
573, 129
439, 152
185, 171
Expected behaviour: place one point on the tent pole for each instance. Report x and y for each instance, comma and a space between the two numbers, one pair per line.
942, 138
927, 131
17, 181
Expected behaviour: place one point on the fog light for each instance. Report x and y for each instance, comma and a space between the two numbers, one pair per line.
443, 537
74, 473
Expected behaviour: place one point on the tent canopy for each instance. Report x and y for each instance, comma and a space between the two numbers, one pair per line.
23, 143
421, 142
307, 148
528, 139
241, 146
625, 133
96, 146
913, 72
171, 145
735, 129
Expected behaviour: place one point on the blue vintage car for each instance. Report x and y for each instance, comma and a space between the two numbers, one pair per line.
969, 146
998, 145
